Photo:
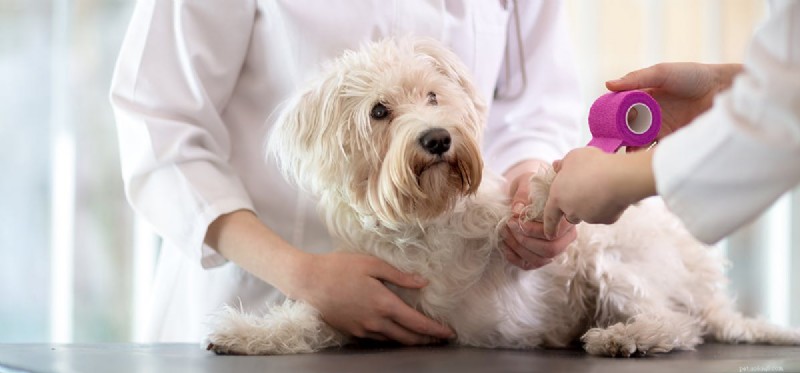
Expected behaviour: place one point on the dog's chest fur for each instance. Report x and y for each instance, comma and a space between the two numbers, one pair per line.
474, 290
471, 286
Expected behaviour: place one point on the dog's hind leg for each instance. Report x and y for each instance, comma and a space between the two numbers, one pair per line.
288, 328
650, 332
728, 325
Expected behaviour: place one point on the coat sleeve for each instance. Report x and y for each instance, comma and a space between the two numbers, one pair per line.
177, 68
540, 120
729, 165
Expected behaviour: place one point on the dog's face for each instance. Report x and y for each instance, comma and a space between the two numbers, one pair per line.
393, 130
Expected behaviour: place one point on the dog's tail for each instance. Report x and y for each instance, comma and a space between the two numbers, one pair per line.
728, 325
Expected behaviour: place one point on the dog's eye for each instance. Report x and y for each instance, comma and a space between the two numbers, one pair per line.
379, 111
432, 98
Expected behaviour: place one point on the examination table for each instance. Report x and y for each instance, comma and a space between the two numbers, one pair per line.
172, 358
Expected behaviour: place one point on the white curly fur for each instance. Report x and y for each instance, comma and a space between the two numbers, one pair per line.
642, 285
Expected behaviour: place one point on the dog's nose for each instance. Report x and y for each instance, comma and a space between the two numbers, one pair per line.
435, 141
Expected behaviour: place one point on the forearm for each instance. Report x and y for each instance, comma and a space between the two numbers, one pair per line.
634, 177
243, 239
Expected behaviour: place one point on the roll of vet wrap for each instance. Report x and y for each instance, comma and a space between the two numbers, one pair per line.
610, 126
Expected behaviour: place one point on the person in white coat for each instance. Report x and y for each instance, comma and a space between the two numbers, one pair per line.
195, 92
732, 160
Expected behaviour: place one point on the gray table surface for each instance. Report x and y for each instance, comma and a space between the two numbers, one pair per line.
120, 358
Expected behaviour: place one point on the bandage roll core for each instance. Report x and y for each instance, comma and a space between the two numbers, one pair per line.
610, 126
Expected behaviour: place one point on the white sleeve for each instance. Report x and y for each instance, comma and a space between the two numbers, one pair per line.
731, 163
543, 121
177, 67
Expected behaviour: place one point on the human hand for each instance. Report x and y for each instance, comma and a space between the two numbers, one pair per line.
683, 90
348, 290
524, 243
597, 187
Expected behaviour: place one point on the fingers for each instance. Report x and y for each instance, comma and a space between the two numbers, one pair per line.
536, 242
523, 257
525, 246
383, 271
650, 77
519, 199
632, 114
511, 255
412, 326
409, 320
389, 330
393, 331
552, 216
512, 188
557, 165
536, 229
526, 228
395, 320
374, 335
565, 226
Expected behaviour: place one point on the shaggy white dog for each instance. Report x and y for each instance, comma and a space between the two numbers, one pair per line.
388, 140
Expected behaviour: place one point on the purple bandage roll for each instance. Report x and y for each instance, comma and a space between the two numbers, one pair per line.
608, 120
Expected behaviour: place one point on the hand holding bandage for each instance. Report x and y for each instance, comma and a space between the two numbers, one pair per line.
613, 126
596, 187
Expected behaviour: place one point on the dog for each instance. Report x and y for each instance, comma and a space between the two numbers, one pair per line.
388, 140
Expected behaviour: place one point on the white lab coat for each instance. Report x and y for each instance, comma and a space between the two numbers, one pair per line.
196, 84
731, 163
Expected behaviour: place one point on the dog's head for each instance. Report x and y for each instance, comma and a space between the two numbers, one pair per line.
393, 130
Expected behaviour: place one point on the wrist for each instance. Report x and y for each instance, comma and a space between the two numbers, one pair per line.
294, 280
243, 239
635, 177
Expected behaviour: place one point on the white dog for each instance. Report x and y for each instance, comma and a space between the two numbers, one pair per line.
388, 140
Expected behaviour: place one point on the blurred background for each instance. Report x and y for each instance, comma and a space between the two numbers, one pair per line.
75, 263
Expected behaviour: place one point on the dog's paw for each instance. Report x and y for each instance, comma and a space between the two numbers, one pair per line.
238, 333
539, 189
609, 342
287, 328
222, 349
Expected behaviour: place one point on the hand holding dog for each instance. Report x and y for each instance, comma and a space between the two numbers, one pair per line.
348, 290
524, 242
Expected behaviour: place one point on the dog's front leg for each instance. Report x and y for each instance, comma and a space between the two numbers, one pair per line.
289, 328
657, 331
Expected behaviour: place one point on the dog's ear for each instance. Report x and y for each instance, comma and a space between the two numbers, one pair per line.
450, 65
305, 140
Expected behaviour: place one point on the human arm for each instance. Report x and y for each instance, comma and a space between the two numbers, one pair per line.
745, 149
346, 288
178, 67
524, 242
683, 90
537, 126
733, 161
